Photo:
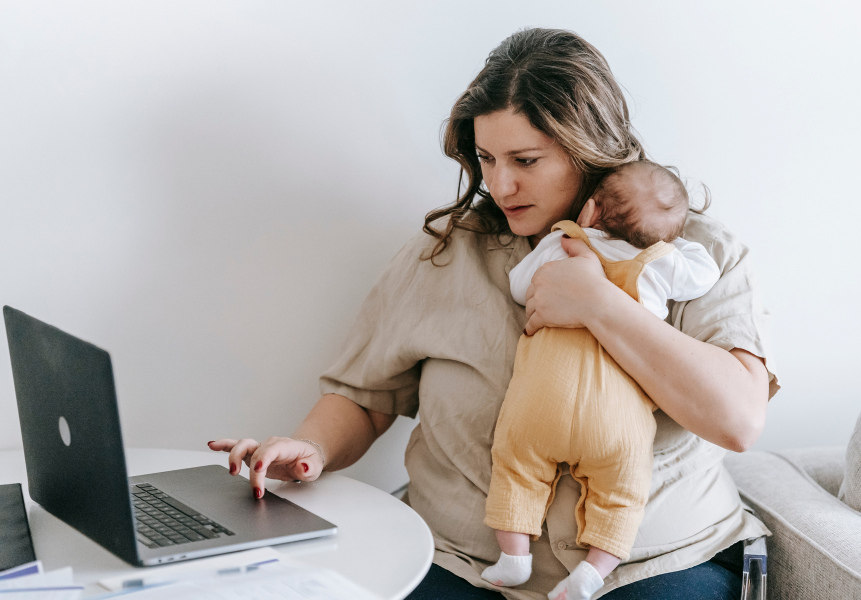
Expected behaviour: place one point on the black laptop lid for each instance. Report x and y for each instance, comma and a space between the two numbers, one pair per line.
71, 428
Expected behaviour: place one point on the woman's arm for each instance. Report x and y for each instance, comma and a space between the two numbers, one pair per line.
718, 395
341, 428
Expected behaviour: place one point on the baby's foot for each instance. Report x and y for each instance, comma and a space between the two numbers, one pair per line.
579, 585
509, 570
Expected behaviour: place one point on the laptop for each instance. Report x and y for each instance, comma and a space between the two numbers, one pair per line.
76, 467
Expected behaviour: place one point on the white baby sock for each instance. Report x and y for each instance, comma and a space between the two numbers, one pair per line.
509, 570
579, 585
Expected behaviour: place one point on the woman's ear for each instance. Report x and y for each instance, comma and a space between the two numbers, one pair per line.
589, 215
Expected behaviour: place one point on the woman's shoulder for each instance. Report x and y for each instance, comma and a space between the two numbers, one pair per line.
721, 243
461, 242
422, 257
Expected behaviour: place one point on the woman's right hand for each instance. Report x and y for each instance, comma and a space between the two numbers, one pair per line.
276, 458
564, 293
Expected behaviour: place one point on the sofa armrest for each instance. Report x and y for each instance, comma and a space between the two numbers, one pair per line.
815, 549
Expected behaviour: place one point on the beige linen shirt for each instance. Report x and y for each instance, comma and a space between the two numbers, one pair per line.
440, 342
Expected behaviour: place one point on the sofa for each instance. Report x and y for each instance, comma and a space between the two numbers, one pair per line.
810, 499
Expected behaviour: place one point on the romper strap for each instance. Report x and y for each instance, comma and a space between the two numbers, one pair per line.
623, 273
657, 250
653, 252
572, 229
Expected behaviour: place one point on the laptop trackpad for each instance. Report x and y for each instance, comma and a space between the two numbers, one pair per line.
228, 500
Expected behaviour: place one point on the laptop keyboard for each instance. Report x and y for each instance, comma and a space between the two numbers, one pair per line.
162, 520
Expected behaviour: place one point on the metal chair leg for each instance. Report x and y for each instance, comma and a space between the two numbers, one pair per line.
755, 569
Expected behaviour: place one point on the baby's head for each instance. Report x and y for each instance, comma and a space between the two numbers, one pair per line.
639, 202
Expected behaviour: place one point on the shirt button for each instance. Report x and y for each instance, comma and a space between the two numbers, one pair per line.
562, 545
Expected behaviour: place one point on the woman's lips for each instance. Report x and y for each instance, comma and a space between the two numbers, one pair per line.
515, 211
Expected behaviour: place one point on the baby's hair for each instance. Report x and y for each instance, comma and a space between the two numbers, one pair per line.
622, 218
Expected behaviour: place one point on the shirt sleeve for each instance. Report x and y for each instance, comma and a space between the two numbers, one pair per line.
694, 271
379, 364
548, 249
730, 315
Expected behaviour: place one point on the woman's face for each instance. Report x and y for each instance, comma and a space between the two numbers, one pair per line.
529, 175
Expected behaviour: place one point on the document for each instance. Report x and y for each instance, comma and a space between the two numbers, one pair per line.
29, 582
204, 568
274, 581
30, 568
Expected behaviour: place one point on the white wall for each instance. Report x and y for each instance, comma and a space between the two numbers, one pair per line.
208, 189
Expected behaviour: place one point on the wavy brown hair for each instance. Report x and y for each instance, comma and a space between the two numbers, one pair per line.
564, 86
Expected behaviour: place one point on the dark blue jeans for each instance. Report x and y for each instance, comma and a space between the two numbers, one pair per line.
717, 579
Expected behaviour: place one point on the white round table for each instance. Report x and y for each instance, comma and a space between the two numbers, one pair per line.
381, 544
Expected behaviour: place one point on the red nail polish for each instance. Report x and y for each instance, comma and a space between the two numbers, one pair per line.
210, 442
258, 466
232, 468
258, 492
524, 331
305, 466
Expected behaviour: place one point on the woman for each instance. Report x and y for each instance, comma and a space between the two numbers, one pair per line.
534, 133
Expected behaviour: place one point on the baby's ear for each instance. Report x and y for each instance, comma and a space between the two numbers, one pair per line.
589, 215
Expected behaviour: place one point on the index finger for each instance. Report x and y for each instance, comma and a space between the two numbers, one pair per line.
275, 449
530, 291
223, 445
241, 451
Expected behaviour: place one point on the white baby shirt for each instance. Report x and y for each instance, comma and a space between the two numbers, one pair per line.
686, 273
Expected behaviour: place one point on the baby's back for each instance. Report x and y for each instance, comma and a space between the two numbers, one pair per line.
686, 273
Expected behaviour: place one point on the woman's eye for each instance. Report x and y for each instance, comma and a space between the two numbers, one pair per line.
527, 162
484, 158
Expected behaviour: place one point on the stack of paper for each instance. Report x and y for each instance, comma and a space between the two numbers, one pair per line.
30, 582
261, 574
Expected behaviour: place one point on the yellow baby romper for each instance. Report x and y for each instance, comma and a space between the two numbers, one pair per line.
570, 402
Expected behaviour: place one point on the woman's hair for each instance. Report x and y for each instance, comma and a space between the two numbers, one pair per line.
564, 86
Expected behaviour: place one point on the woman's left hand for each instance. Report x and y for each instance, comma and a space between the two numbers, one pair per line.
563, 293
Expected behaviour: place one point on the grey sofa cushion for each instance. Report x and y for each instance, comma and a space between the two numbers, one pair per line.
815, 550
825, 465
850, 489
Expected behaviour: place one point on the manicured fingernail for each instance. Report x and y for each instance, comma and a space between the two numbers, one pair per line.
258, 492
524, 331
566, 236
305, 466
258, 466
210, 442
232, 468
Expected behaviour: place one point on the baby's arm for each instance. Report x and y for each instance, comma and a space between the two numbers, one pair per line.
694, 271
548, 249
686, 273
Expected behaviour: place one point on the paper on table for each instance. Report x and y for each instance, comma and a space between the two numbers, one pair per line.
203, 566
53, 593
276, 582
55, 585
30, 568
58, 578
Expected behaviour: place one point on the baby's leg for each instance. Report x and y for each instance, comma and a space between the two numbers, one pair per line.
515, 563
587, 578
604, 562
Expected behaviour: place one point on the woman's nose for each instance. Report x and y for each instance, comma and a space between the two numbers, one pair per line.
504, 183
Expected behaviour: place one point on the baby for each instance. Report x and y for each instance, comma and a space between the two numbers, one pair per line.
570, 402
